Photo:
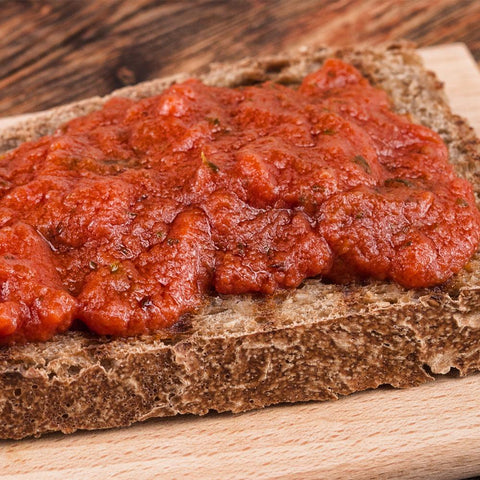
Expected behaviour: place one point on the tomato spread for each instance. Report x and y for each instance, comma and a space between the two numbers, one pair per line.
125, 218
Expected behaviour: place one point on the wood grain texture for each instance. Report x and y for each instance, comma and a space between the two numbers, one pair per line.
53, 52
428, 432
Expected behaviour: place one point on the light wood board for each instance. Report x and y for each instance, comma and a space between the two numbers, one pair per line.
428, 432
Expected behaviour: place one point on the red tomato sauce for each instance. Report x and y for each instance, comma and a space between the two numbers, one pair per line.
125, 218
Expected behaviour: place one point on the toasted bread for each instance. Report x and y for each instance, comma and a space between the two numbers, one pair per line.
244, 352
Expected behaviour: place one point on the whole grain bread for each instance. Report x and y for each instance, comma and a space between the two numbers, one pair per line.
243, 352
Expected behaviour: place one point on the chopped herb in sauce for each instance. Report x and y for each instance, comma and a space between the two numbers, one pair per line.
214, 121
114, 267
362, 162
214, 168
394, 182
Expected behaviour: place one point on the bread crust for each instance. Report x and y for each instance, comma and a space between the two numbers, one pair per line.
243, 352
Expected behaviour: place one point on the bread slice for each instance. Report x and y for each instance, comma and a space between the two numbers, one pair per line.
243, 352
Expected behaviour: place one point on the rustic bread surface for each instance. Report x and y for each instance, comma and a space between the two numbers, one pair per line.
242, 352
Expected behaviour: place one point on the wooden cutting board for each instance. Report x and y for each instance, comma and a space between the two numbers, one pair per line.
428, 432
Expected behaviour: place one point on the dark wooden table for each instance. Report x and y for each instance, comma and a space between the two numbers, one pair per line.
53, 52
